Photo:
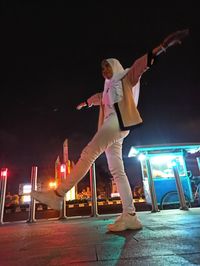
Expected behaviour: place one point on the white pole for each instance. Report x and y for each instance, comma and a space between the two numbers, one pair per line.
3, 182
34, 171
93, 190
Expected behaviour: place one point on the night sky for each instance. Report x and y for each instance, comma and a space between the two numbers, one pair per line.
50, 62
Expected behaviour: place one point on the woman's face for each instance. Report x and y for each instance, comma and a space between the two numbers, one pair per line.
107, 71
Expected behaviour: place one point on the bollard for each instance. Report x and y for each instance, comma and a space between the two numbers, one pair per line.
94, 210
63, 209
198, 162
3, 183
183, 205
152, 188
31, 218
64, 167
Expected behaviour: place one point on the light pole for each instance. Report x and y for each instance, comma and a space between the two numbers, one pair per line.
3, 182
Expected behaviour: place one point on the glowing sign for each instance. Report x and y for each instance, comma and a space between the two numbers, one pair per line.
26, 189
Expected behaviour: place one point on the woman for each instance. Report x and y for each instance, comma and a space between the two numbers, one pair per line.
118, 114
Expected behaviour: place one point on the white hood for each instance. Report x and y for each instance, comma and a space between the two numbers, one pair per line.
113, 92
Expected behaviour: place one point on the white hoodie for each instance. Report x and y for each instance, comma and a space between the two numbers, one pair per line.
113, 92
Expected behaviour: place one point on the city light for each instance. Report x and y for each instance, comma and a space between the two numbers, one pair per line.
161, 159
26, 189
4, 172
116, 194
62, 168
53, 185
26, 198
141, 157
133, 152
71, 194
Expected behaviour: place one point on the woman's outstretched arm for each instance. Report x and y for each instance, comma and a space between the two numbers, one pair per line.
143, 63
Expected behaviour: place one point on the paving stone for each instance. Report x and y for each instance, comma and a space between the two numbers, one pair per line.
169, 237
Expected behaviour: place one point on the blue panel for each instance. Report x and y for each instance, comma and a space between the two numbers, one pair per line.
163, 186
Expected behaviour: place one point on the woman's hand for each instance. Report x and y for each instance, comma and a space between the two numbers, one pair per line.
81, 105
175, 38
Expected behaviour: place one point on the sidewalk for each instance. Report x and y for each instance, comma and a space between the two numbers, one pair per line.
169, 237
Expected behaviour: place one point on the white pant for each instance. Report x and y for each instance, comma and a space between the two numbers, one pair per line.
108, 139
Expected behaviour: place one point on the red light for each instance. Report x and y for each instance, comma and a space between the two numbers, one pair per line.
4, 172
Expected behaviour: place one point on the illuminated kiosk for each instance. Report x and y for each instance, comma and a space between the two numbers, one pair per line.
160, 160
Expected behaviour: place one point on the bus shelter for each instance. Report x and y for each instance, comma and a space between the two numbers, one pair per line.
157, 165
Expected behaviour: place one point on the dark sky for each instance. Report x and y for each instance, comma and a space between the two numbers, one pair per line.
50, 62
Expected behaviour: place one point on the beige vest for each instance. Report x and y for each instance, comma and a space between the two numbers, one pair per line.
127, 112
126, 109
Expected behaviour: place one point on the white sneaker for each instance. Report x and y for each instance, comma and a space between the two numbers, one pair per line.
49, 198
124, 222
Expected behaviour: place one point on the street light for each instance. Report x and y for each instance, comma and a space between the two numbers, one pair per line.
53, 185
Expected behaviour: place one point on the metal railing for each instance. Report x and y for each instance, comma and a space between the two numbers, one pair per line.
183, 205
94, 212
152, 188
94, 203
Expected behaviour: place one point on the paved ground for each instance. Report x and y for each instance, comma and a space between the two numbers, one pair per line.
170, 237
